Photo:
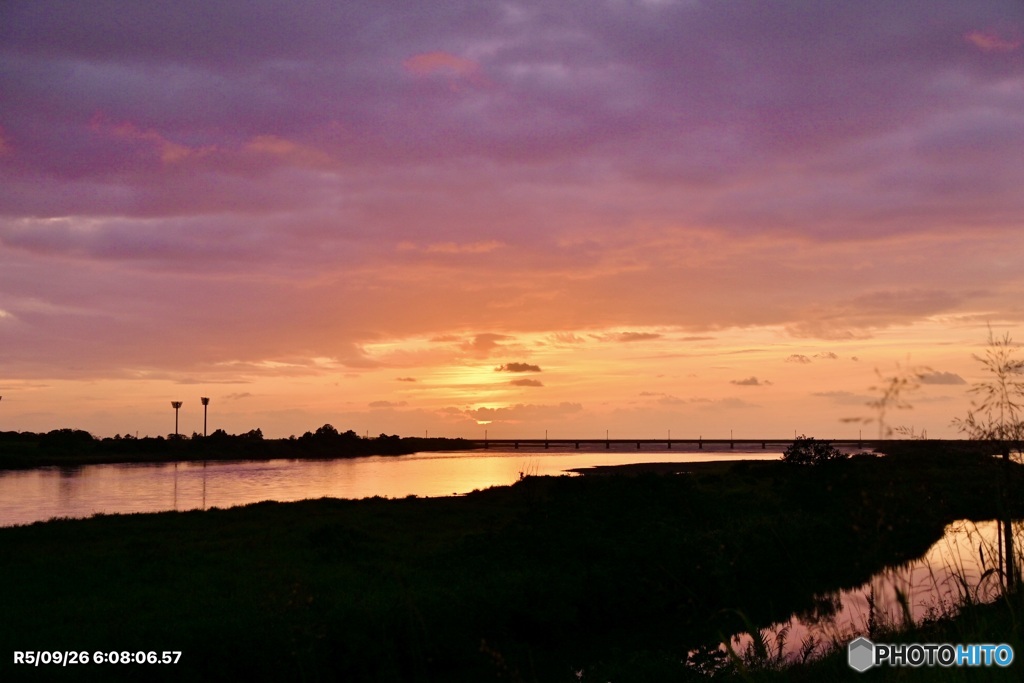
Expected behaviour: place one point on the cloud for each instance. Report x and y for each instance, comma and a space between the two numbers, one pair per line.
566, 338
627, 337
638, 336
517, 367
388, 404
858, 316
524, 412
843, 397
827, 355
750, 382
428, 63
942, 378
196, 380
526, 383
453, 248
798, 358
991, 42
405, 379
715, 405
484, 344
238, 396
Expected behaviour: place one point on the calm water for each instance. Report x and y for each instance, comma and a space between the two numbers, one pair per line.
931, 584
42, 494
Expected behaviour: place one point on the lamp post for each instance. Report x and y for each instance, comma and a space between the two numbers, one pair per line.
206, 402
176, 405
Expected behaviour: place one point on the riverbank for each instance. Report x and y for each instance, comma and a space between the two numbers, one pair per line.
635, 468
75, 447
617, 577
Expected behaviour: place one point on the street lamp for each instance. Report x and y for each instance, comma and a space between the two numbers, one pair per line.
175, 405
206, 402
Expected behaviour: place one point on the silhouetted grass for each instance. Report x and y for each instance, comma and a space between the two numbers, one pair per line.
997, 622
616, 577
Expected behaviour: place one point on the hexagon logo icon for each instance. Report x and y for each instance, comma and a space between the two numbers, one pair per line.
860, 654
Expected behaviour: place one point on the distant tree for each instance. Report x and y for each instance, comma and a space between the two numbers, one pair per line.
806, 450
67, 440
253, 435
326, 432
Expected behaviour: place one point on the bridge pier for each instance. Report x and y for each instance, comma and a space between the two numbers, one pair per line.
517, 445
577, 445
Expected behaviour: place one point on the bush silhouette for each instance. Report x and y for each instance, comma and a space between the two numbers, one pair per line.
805, 450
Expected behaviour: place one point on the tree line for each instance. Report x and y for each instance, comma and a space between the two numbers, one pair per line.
58, 446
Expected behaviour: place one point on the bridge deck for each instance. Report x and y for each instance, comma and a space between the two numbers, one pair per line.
667, 442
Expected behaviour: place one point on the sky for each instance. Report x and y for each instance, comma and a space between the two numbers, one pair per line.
459, 217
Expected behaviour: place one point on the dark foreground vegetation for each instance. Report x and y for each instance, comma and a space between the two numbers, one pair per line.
594, 578
72, 447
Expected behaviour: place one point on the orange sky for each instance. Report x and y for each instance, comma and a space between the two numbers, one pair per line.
653, 216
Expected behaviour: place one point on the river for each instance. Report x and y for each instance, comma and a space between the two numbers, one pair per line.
28, 496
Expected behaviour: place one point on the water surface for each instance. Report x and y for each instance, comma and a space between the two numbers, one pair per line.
32, 495
960, 567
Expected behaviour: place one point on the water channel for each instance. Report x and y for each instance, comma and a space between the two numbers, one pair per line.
35, 495
961, 567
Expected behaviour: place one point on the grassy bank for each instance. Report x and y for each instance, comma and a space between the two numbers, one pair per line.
617, 576
75, 447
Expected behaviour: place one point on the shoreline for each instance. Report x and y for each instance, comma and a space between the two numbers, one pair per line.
635, 468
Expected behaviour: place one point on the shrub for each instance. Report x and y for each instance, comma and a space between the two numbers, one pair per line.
805, 450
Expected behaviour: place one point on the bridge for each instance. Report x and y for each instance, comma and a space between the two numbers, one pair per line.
668, 443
